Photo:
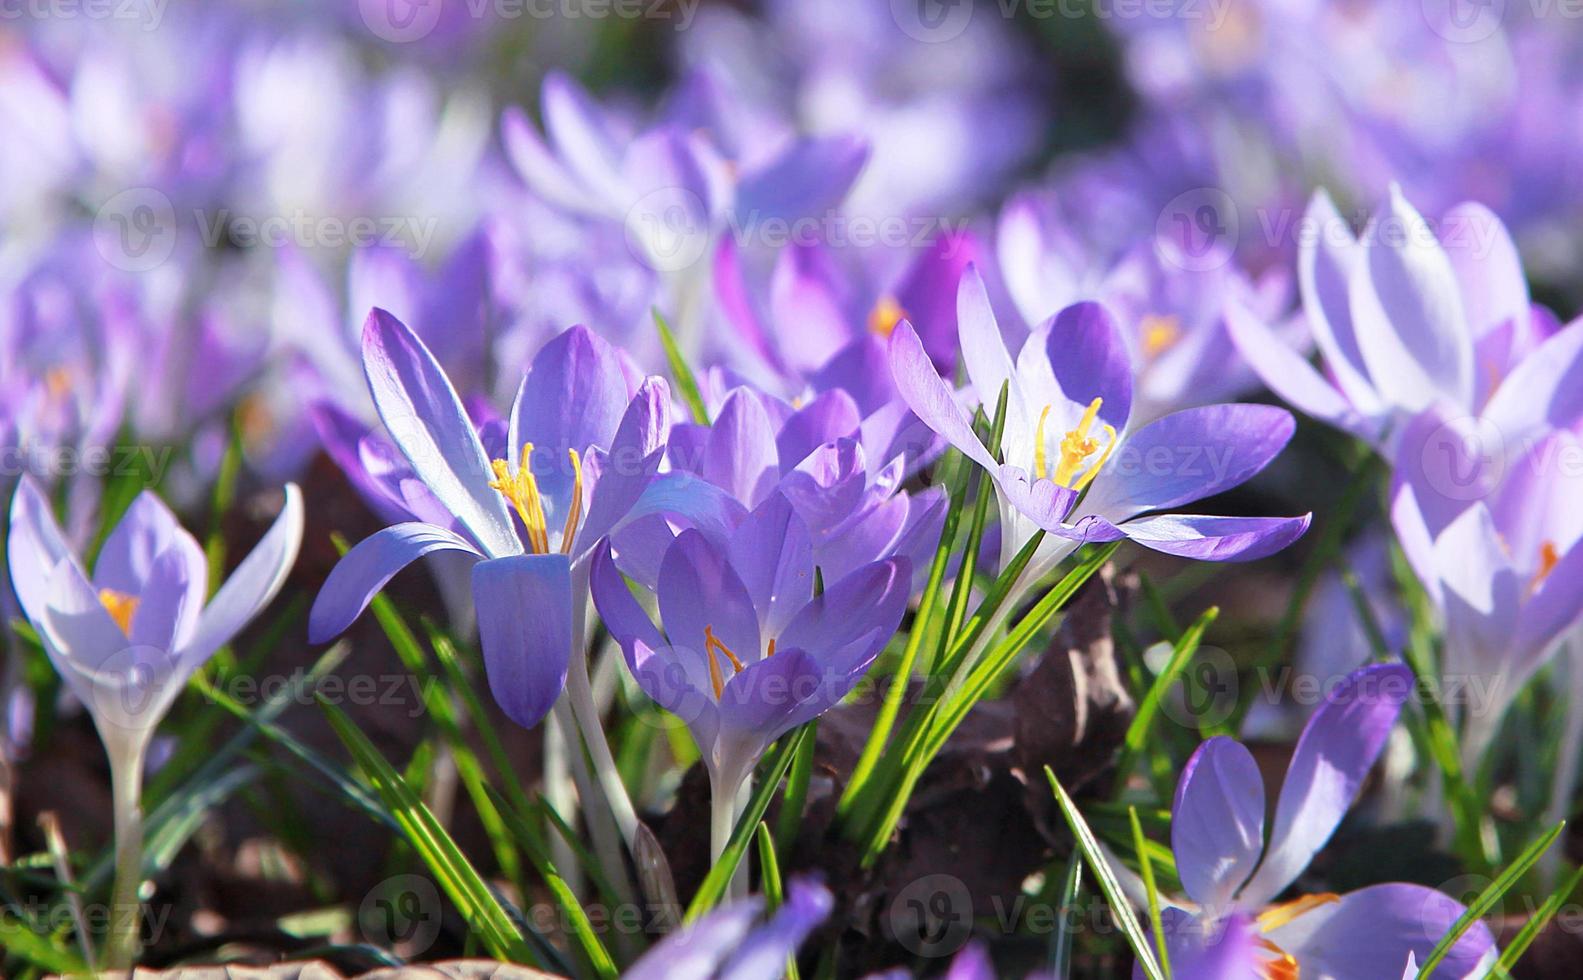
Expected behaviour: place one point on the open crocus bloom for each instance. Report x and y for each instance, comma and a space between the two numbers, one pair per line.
580, 459
747, 651
1233, 871
127, 638
1070, 466
731, 943
1404, 320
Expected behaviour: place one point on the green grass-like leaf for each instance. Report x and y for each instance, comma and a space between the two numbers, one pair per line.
1146, 870
686, 381
483, 913
16, 939
1488, 897
1137, 738
1536, 923
1130, 929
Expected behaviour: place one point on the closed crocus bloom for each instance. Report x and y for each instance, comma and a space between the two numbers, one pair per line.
737, 942
746, 651
1233, 870
1070, 466
1406, 321
127, 638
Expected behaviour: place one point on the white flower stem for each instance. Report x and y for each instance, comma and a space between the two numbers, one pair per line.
580, 694
126, 793
1566, 771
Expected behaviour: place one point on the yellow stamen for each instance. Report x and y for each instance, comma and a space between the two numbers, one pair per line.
574, 513
1076, 447
882, 319
1159, 333
1041, 462
711, 640
1279, 915
714, 668
1284, 967
58, 383
771, 651
120, 606
523, 491
1548, 559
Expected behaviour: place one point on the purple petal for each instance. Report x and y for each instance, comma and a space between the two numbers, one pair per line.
364, 570
1487, 267
1090, 359
831, 415
699, 590
1544, 391
1216, 538
741, 458
537, 165
576, 127
572, 396
635, 456
1288, 374
1369, 931
772, 553
763, 954
864, 606
1333, 756
808, 178
623, 616
250, 587
1187, 456
827, 487
1044, 502
427, 422
1211, 948
809, 310
930, 398
984, 353
928, 293
525, 631
146, 532
1482, 594
1326, 265
1408, 315
1217, 822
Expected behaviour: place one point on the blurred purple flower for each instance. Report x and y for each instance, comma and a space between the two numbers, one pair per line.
736, 942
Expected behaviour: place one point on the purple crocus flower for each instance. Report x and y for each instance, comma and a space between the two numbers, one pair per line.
670, 182
1170, 306
1071, 466
1504, 569
1406, 320
1232, 869
816, 458
735, 942
747, 650
527, 525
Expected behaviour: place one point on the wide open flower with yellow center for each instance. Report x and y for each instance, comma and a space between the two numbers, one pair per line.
1069, 465
1234, 873
581, 457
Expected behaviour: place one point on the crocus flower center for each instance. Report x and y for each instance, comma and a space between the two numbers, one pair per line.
1549, 557
712, 645
1075, 449
58, 382
1284, 965
120, 606
882, 319
522, 490
1159, 333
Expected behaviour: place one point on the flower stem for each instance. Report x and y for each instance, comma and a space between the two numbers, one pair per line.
580, 694
126, 792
